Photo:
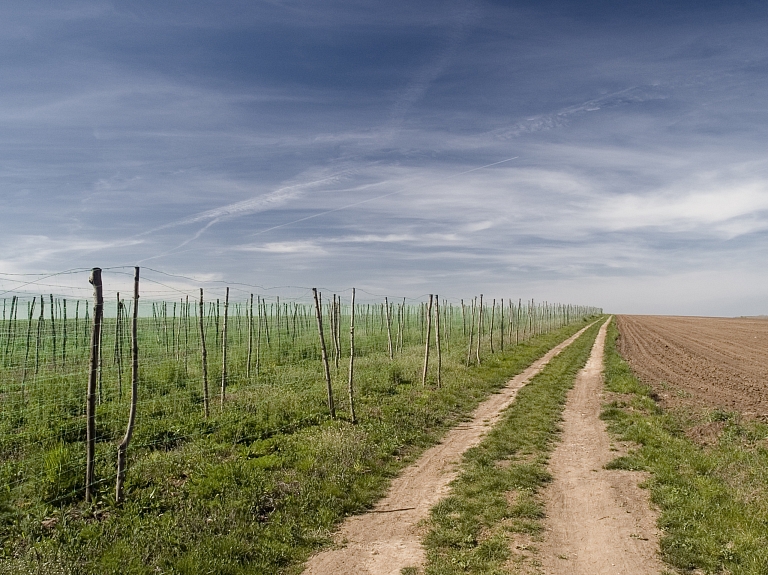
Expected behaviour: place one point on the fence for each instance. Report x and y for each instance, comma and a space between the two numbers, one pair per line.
236, 361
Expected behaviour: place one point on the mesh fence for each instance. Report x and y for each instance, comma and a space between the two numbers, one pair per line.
272, 380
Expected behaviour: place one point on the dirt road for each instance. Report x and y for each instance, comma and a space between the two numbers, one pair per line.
598, 521
387, 539
700, 361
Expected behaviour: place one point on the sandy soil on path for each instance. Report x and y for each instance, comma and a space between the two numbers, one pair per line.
598, 521
700, 361
387, 539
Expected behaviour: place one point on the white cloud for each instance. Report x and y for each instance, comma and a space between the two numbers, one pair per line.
718, 211
303, 248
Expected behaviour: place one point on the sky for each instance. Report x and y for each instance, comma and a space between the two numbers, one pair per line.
602, 153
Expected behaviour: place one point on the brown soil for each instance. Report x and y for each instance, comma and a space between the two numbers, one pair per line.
598, 521
388, 539
702, 362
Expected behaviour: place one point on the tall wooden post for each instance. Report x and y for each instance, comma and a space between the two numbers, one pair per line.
250, 341
40, 321
8, 324
77, 322
501, 326
319, 314
258, 337
186, 333
337, 332
471, 331
26, 353
332, 320
63, 332
352, 360
53, 332
118, 355
277, 307
224, 350
90, 400
493, 320
204, 356
437, 341
123, 447
426, 339
479, 328
389, 329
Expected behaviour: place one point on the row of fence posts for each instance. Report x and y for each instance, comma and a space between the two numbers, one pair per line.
95, 280
431, 316
537, 319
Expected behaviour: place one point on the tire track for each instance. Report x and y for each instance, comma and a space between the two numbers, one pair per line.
387, 539
599, 522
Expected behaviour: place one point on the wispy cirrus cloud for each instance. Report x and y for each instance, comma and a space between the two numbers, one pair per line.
266, 139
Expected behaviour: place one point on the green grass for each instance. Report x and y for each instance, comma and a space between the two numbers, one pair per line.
713, 500
253, 489
495, 498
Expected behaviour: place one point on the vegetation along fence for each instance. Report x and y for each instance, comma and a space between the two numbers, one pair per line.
94, 382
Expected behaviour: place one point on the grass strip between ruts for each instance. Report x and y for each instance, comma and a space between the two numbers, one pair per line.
713, 499
495, 500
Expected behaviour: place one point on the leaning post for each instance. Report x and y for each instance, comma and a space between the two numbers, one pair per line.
324, 352
90, 405
123, 447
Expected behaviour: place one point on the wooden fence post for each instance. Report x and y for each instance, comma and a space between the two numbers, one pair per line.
204, 354
250, 341
389, 329
426, 346
118, 359
63, 332
319, 314
471, 331
90, 404
437, 340
40, 321
493, 320
501, 325
337, 332
26, 353
352, 360
332, 320
123, 447
53, 332
258, 337
479, 328
224, 350
77, 320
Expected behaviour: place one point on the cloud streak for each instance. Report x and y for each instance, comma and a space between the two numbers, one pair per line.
265, 140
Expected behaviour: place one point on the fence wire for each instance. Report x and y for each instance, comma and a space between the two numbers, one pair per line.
271, 380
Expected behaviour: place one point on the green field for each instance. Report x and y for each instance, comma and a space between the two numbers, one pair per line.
257, 484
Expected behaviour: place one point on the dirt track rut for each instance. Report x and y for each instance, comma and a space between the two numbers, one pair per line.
599, 521
387, 539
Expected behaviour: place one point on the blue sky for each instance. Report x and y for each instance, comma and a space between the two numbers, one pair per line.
593, 152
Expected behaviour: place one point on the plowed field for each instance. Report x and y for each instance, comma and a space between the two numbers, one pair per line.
713, 362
